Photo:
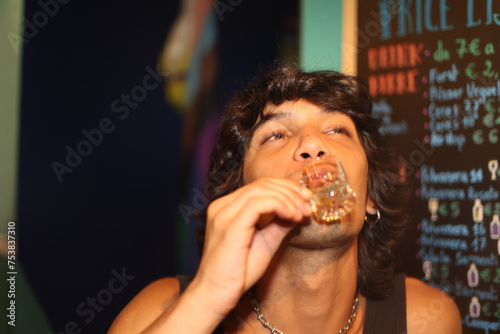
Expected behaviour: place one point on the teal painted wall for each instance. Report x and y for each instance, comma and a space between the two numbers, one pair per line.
321, 35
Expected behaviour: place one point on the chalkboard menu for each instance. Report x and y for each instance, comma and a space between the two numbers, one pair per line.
433, 72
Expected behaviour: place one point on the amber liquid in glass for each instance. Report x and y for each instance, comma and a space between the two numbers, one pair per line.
332, 195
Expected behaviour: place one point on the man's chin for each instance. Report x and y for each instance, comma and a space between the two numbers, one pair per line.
316, 235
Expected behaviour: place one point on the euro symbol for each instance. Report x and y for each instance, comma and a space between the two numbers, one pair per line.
488, 120
486, 309
487, 209
485, 274
489, 105
473, 47
443, 211
470, 72
477, 137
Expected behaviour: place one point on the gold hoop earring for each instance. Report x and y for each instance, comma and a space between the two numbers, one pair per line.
371, 221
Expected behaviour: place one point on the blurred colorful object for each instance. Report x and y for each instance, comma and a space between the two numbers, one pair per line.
183, 59
189, 63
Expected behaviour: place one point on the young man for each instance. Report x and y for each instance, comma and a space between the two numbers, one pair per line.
304, 276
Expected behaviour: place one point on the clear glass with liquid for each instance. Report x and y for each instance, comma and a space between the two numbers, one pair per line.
332, 197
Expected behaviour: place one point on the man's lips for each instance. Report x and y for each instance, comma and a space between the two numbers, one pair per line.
317, 174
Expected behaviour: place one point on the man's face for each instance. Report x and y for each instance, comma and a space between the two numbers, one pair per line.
297, 133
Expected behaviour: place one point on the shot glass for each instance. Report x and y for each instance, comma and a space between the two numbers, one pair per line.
333, 197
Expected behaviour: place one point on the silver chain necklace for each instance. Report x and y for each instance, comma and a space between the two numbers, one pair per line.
274, 330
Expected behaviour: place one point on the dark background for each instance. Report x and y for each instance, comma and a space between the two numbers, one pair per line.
115, 210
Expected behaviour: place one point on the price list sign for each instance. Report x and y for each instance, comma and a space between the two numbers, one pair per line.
433, 71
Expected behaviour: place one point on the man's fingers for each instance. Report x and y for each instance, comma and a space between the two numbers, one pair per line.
294, 186
289, 191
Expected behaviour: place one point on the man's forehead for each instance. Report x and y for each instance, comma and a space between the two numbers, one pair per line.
269, 108
274, 112
288, 107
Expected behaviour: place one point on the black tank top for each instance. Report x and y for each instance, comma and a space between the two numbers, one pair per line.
385, 316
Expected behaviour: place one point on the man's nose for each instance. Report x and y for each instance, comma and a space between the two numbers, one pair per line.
311, 145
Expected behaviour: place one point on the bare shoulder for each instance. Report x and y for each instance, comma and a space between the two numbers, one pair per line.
430, 310
147, 306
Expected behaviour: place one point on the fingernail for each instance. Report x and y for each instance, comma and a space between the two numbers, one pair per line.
306, 192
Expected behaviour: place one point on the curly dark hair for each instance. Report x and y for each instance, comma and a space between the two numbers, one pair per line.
337, 92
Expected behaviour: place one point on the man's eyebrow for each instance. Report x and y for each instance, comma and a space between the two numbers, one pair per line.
274, 116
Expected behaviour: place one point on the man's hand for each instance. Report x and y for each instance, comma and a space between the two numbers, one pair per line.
236, 252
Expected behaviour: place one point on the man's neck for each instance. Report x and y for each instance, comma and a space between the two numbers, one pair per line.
308, 289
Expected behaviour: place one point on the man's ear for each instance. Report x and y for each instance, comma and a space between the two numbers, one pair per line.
371, 209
